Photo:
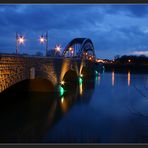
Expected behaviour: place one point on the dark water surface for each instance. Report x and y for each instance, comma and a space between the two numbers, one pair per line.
112, 108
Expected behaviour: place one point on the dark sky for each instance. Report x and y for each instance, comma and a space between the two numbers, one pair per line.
114, 29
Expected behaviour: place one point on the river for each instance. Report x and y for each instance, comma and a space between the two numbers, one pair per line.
111, 108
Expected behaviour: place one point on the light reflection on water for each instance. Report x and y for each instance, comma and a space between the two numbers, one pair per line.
113, 78
129, 78
112, 108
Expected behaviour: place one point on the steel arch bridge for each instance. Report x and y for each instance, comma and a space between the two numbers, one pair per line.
80, 48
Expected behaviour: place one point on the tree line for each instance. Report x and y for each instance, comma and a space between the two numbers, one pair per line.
133, 59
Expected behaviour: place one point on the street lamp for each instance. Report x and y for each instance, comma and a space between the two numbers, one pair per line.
57, 49
19, 40
44, 39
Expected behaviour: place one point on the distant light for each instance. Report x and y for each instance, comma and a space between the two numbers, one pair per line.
90, 58
21, 40
58, 48
129, 61
85, 53
70, 48
99, 60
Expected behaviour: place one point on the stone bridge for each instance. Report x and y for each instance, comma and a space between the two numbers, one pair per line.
14, 69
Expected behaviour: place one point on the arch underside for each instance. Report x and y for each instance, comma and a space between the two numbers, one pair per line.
32, 85
88, 73
70, 79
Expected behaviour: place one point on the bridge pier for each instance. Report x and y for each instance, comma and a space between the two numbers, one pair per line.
32, 73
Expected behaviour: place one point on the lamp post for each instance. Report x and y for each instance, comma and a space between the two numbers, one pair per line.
43, 39
16, 43
19, 40
57, 49
46, 42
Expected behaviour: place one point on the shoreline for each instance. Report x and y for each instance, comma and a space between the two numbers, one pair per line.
125, 68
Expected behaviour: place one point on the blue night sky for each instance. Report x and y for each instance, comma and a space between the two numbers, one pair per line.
114, 29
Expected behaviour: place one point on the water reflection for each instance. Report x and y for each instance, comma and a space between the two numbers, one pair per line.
81, 89
98, 79
27, 117
92, 112
113, 78
129, 78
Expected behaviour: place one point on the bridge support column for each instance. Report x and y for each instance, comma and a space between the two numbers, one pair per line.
32, 73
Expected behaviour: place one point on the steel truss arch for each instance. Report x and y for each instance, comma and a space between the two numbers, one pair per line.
80, 47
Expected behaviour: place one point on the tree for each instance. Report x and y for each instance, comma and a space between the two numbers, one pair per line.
117, 57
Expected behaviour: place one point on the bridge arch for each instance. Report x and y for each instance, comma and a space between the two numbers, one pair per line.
32, 85
80, 47
87, 72
41, 85
70, 79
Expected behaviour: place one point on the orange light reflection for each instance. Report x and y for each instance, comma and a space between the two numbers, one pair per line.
113, 78
129, 78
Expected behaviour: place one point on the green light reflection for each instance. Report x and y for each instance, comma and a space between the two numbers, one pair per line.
80, 80
96, 72
61, 90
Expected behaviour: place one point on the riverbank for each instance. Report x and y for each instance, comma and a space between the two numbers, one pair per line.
124, 68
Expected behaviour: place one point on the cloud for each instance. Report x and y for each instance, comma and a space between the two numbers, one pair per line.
132, 10
112, 28
138, 10
140, 53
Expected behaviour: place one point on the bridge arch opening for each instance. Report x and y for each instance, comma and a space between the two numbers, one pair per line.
70, 80
32, 85
41, 85
88, 73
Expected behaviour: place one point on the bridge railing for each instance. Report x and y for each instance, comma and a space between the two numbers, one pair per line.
34, 56
39, 57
